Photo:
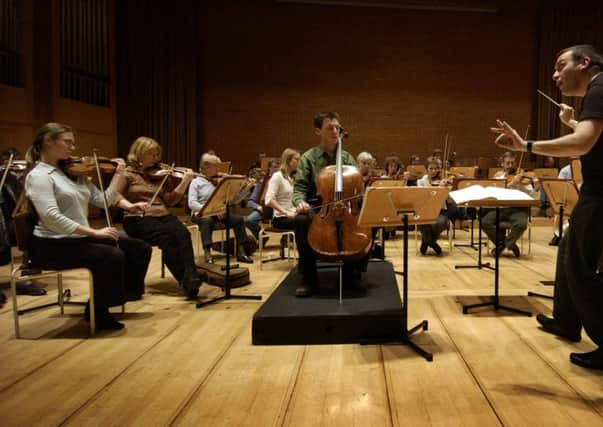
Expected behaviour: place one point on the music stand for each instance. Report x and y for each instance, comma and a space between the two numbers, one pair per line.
563, 196
497, 203
219, 202
459, 184
394, 206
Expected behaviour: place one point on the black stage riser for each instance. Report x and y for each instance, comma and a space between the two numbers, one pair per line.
371, 313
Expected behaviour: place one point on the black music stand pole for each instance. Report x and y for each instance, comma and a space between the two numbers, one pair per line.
494, 299
227, 295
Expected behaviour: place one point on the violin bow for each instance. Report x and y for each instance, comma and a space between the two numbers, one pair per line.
161, 185
5, 174
102, 189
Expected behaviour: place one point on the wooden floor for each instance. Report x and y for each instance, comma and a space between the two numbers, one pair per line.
174, 364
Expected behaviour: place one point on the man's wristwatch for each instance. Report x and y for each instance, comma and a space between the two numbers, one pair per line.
529, 145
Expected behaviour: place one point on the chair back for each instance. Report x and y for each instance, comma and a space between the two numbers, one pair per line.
26, 218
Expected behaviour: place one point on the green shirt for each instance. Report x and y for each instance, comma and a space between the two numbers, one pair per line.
310, 163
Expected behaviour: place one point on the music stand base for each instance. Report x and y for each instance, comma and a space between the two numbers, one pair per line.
496, 306
227, 297
479, 266
405, 340
536, 294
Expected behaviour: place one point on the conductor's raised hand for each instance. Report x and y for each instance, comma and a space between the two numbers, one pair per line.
508, 138
566, 114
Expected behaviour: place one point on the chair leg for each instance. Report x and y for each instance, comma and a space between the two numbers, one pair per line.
261, 245
91, 304
13, 289
61, 296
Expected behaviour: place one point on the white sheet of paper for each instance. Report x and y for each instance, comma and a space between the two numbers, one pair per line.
477, 192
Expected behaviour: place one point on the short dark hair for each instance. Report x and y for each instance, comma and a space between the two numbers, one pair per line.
580, 51
320, 118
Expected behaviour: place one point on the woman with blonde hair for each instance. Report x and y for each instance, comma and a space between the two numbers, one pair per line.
280, 189
158, 227
63, 238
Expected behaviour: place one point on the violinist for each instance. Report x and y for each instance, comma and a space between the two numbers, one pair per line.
252, 221
201, 189
394, 168
63, 238
280, 189
517, 217
431, 232
158, 227
304, 198
578, 287
365, 162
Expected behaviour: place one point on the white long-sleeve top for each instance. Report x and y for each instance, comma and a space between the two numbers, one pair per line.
62, 203
280, 189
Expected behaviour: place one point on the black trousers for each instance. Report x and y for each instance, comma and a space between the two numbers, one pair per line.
431, 232
173, 239
208, 223
307, 259
578, 286
115, 269
283, 223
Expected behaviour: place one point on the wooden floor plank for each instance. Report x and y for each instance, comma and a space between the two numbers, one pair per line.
522, 388
250, 386
340, 385
164, 378
424, 393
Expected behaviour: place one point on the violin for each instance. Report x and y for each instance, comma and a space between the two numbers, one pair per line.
526, 177
159, 171
15, 166
85, 166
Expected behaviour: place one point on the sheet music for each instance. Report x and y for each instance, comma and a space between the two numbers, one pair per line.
477, 192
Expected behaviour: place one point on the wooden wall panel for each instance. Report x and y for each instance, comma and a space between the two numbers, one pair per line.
24, 109
400, 79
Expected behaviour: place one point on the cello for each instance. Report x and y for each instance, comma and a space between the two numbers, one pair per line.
334, 234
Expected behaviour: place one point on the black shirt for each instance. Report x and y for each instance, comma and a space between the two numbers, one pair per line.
592, 162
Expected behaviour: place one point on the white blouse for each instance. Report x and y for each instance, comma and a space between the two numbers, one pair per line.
280, 189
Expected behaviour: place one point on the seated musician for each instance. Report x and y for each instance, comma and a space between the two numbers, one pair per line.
394, 168
158, 227
517, 217
413, 177
280, 189
304, 198
201, 189
63, 238
431, 232
252, 221
365, 163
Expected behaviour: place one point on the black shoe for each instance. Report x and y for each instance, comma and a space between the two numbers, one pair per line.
551, 326
304, 290
515, 249
133, 296
191, 286
436, 248
264, 241
554, 241
591, 360
497, 251
423, 248
107, 322
29, 287
244, 258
